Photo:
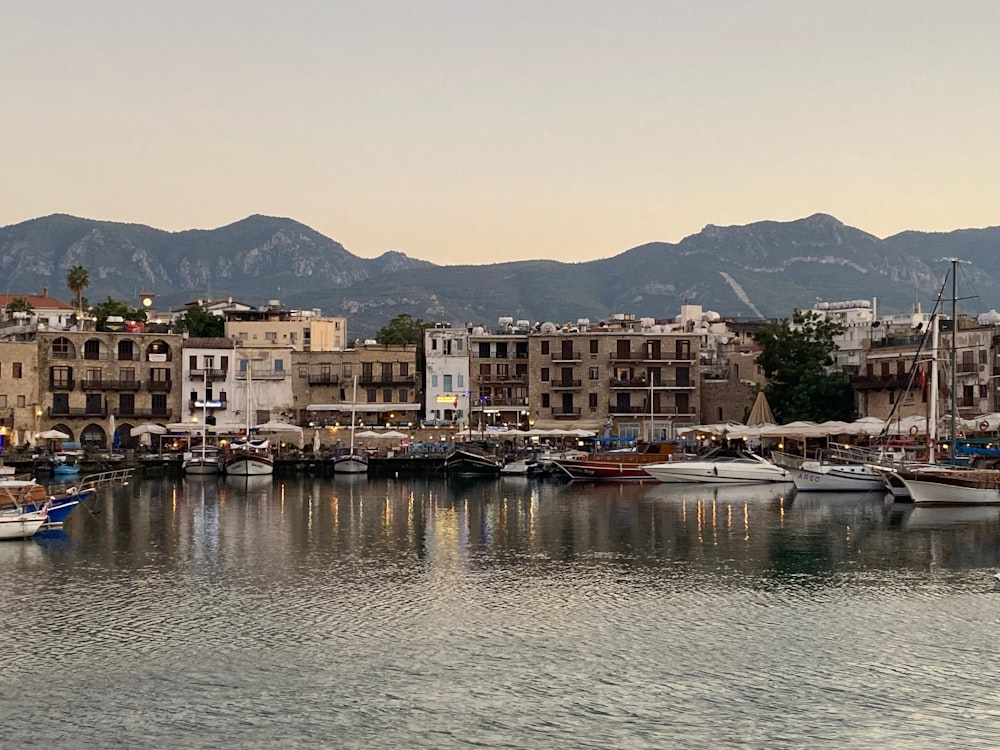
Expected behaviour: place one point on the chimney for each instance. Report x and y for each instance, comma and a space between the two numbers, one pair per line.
45, 291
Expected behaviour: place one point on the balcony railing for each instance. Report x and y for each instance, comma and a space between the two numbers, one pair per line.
867, 382
65, 384
494, 402
96, 355
158, 386
658, 411
652, 356
560, 356
164, 414
565, 412
505, 378
102, 384
566, 383
394, 380
126, 357
323, 378
261, 374
661, 383
210, 373
967, 367
77, 411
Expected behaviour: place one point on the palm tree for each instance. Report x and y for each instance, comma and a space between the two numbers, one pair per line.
77, 280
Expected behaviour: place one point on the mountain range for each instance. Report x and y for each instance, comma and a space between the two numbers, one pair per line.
764, 269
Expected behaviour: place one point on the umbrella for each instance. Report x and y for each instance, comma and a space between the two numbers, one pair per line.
150, 428
316, 441
112, 430
391, 435
52, 435
367, 434
760, 412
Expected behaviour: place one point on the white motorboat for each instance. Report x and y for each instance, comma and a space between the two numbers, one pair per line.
720, 466
18, 524
830, 471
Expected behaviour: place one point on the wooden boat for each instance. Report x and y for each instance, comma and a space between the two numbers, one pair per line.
466, 461
617, 466
356, 461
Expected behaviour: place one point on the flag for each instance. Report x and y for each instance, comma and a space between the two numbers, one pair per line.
922, 379
454, 404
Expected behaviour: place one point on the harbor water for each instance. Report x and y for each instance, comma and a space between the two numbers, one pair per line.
353, 613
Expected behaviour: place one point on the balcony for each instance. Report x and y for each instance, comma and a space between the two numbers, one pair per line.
261, 374
573, 356
643, 356
128, 357
75, 411
661, 383
158, 386
164, 414
566, 412
966, 368
565, 383
98, 356
207, 374
518, 378
323, 378
372, 381
878, 382
62, 384
519, 403
100, 384
643, 411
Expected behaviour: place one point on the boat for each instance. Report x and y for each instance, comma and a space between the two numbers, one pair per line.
205, 460
29, 496
466, 461
355, 461
833, 470
719, 466
949, 484
65, 464
20, 524
615, 465
247, 456
522, 465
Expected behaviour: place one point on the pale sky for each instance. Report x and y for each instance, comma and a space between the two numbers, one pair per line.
467, 131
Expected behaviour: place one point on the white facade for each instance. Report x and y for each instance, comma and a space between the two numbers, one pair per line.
263, 385
857, 317
446, 385
208, 380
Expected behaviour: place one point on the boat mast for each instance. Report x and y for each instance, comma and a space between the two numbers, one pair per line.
954, 357
354, 406
932, 405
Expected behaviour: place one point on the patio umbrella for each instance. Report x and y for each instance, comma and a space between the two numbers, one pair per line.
316, 445
760, 412
52, 435
113, 431
150, 428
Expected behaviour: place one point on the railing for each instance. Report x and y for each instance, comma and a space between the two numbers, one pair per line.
567, 412
62, 385
969, 367
371, 380
657, 411
493, 402
210, 373
561, 356
566, 383
76, 411
158, 386
144, 413
518, 378
62, 355
100, 384
125, 357
641, 383
324, 378
652, 357
96, 355
261, 374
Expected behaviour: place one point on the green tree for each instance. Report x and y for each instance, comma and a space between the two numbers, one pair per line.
19, 304
77, 280
197, 322
112, 307
403, 329
795, 357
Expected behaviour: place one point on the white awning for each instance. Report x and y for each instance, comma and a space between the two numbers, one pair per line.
361, 408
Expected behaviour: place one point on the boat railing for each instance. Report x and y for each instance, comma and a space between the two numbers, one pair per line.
115, 478
787, 460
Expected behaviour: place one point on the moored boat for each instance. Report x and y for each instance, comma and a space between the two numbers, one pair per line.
720, 466
468, 462
19, 524
617, 466
249, 457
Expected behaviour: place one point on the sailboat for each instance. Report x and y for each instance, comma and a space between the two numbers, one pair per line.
248, 456
355, 462
206, 459
949, 484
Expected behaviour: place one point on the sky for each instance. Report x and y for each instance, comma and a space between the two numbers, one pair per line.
475, 131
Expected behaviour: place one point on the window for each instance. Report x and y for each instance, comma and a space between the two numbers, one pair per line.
446, 383
593, 346
458, 345
160, 405
404, 368
92, 349
484, 349
20, 402
279, 365
3, 401
347, 372
192, 361
545, 347
545, 375
592, 400
545, 400
126, 404
461, 382
303, 371
61, 377
594, 373
387, 395
434, 381
209, 362
484, 370
404, 396
62, 349
387, 372
15, 370
372, 396
434, 345
159, 374
271, 336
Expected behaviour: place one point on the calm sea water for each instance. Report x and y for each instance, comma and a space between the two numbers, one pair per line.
204, 613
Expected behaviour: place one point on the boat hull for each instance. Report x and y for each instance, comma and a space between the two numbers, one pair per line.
603, 471
707, 472
20, 525
350, 465
836, 478
952, 488
249, 467
197, 466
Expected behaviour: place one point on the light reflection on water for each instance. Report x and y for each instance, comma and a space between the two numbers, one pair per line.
353, 613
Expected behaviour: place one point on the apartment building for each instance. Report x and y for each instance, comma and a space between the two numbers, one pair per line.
446, 376
273, 325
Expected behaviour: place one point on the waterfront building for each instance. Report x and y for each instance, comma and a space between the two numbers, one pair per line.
446, 376
273, 325
86, 377
208, 379
20, 408
498, 362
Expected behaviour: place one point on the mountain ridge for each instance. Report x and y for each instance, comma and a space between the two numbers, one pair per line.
765, 268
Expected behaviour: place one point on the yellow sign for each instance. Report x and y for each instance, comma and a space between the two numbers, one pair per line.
447, 399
